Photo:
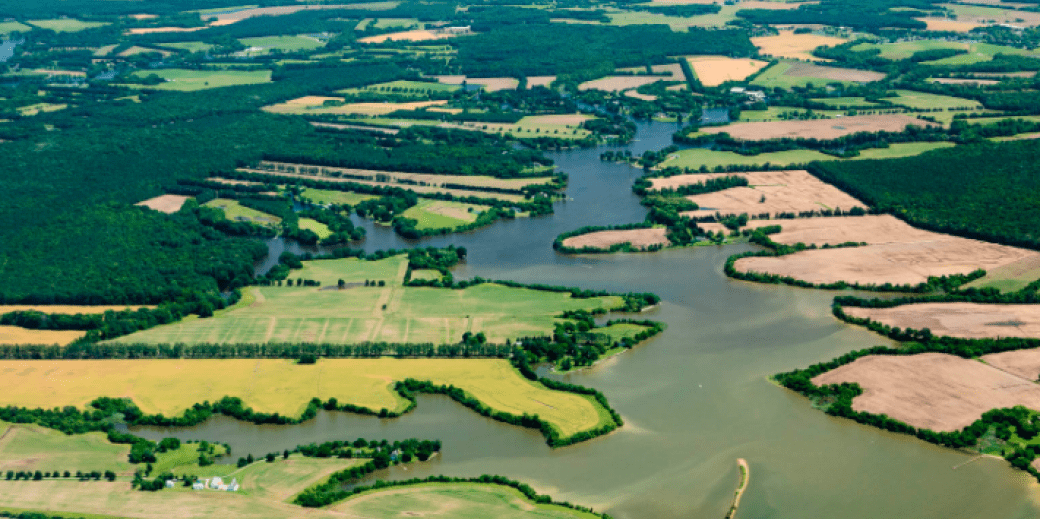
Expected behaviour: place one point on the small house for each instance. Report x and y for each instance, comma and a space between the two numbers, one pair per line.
216, 483
233, 486
198, 485
170, 483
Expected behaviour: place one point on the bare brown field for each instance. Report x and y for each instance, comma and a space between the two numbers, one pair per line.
966, 320
896, 263
932, 390
389, 177
872, 229
565, 119
143, 16
237, 16
795, 46
604, 239
783, 191
315, 105
955, 81
1005, 74
833, 73
942, 24
1021, 363
153, 30
416, 35
716, 70
673, 71
544, 81
636, 95
16, 335
68, 309
165, 204
618, 83
818, 128
417, 189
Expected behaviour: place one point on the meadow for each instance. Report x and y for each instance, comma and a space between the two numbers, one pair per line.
695, 158
236, 211
65, 25
391, 313
9, 27
283, 43
31, 447
316, 227
440, 214
324, 196
285, 387
777, 76
192, 80
926, 101
190, 46
404, 88
455, 500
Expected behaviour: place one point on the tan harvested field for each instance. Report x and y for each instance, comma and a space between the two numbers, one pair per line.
604, 239
932, 390
315, 105
491, 84
715, 70
796, 46
417, 189
636, 95
990, 16
784, 191
68, 309
544, 81
16, 335
391, 177
1021, 363
1005, 74
942, 24
143, 16
872, 229
673, 71
237, 16
415, 35
375, 129
967, 320
565, 119
153, 30
896, 263
165, 203
619, 83
818, 128
833, 73
955, 81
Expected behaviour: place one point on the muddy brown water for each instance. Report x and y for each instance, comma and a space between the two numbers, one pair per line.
694, 399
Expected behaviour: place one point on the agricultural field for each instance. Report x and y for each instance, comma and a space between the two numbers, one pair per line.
818, 128
313, 105
192, 80
355, 315
905, 49
783, 113
324, 196
847, 101
69, 309
619, 83
925, 101
768, 192
965, 320
695, 158
787, 74
407, 180
404, 88
835, 230
31, 447
16, 335
604, 239
387, 23
561, 126
932, 390
716, 70
285, 387
676, 23
190, 46
266, 44
1022, 363
65, 25
947, 25
794, 46
441, 214
9, 27
31, 110
413, 35
993, 15
316, 227
165, 203
1009, 278
454, 500
236, 211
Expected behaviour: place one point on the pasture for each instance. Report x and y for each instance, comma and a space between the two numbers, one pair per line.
925, 101
818, 128
794, 46
965, 320
30, 447
316, 227
68, 309
413, 35
440, 214
65, 25
190, 46
236, 211
285, 387
404, 88
787, 74
783, 113
16, 335
324, 196
452, 500
354, 315
619, 83
185, 460
336, 105
716, 70
993, 15
191, 80
9, 27
905, 49
676, 23
947, 25
560, 126
1011, 277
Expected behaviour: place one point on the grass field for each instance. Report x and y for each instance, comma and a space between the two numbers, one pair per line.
921, 100
191, 80
773, 113
845, 101
426, 274
31, 447
282, 386
438, 214
558, 126
677, 23
236, 211
16, 335
387, 23
65, 25
9, 27
620, 331
316, 227
905, 49
454, 500
68, 309
404, 88
30, 110
190, 46
775, 76
324, 196
412, 314
284, 43
185, 461
694, 158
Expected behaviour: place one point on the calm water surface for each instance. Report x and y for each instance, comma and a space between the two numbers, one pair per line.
694, 398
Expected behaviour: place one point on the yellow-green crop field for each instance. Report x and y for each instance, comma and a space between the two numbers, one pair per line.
31, 447
65, 25
283, 386
404, 87
695, 158
16, 335
325, 196
236, 211
439, 214
192, 80
411, 314
316, 227
922, 100
9, 27
454, 500
284, 43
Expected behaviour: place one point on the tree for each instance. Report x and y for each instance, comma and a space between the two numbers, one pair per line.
285, 454
270, 457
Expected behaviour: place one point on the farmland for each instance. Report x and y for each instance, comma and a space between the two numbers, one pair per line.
965, 320
165, 203
335, 105
282, 43
411, 314
695, 158
452, 500
324, 196
65, 25
282, 386
9, 27
16, 335
638, 238
768, 192
191, 80
787, 74
794, 46
926, 101
715, 70
236, 211
819, 128
316, 227
31, 447
439, 214
67, 309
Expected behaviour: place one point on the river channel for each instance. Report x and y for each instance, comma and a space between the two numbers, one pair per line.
694, 399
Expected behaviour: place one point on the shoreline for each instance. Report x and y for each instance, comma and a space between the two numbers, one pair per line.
745, 477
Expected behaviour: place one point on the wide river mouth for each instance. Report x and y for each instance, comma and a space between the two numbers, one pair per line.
694, 399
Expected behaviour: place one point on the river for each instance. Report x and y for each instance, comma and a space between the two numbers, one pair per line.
694, 399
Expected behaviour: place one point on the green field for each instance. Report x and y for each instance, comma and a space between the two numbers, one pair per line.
921, 100
387, 23
426, 274
846, 101
454, 500
190, 46
619, 331
9, 27
411, 314
316, 227
185, 461
65, 25
236, 211
774, 113
323, 196
677, 23
283, 43
191, 80
31, 447
694, 158
774, 77
405, 88
905, 49
440, 214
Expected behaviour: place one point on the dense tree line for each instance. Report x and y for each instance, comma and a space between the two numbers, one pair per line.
872, 15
